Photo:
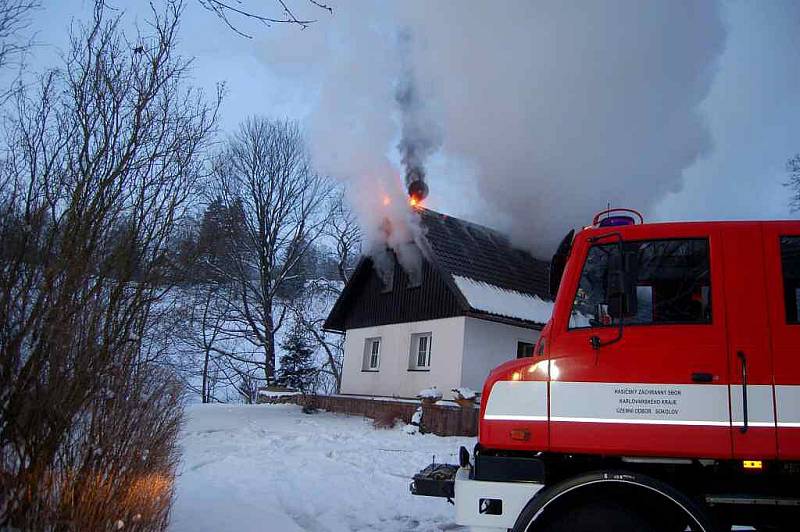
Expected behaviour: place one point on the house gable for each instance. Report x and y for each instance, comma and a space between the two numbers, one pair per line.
365, 301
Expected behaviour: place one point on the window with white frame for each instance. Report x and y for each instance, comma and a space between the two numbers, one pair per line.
420, 358
372, 354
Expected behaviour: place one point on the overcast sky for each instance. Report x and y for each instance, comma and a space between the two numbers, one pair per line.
699, 105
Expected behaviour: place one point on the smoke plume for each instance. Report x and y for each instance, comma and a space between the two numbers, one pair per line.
420, 134
556, 108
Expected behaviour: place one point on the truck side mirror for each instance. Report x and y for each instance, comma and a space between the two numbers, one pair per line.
621, 284
559, 262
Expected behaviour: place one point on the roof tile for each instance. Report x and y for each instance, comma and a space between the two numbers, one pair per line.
467, 249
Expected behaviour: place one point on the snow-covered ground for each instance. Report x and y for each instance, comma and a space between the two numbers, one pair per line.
272, 468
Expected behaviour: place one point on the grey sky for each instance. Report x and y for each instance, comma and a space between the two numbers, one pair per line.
741, 100
753, 112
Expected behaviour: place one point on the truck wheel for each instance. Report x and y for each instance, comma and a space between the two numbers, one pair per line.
594, 516
613, 500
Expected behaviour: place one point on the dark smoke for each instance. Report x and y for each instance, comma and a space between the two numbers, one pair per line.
420, 135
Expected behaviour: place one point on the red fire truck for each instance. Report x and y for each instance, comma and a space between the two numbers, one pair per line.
663, 394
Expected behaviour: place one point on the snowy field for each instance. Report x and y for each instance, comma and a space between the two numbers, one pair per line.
273, 468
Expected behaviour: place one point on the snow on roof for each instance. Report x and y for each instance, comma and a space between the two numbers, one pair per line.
502, 302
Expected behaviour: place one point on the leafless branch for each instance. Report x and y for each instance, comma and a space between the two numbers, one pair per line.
228, 11
14, 43
793, 168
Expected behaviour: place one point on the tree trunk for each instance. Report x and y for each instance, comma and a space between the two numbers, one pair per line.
205, 377
269, 347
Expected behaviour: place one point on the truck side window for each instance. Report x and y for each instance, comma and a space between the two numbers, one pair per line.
790, 263
673, 284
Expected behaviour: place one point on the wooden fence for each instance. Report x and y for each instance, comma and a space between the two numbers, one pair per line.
443, 419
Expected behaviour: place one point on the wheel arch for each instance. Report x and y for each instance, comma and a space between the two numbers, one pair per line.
576, 488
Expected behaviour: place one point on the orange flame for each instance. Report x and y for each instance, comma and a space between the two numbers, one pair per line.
386, 200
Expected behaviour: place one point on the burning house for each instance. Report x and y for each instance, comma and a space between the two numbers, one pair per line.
475, 302
440, 301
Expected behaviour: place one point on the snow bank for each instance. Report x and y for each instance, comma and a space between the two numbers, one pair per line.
430, 393
416, 419
276, 394
269, 467
495, 300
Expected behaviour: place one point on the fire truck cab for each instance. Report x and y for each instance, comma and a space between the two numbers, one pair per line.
663, 394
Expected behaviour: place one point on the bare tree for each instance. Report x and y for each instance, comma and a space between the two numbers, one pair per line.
793, 168
310, 312
199, 318
343, 235
14, 20
101, 160
211, 322
213, 353
14, 42
265, 174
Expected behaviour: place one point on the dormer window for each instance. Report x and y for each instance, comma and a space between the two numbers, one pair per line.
384, 266
414, 279
387, 280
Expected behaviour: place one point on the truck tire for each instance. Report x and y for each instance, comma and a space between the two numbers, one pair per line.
613, 500
594, 516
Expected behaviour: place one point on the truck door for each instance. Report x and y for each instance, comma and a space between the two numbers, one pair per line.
661, 389
749, 350
782, 254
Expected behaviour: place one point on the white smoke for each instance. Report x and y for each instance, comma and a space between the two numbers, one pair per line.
565, 106
354, 130
560, 107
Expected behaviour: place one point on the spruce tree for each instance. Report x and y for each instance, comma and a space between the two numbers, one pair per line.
219, 237
297, 363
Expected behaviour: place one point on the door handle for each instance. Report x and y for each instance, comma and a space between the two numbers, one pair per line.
743, 360
700, 376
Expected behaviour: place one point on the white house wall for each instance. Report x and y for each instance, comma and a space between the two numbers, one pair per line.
488, 344
464, 350
393, 377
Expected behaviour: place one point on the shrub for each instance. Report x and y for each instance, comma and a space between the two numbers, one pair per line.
101, 161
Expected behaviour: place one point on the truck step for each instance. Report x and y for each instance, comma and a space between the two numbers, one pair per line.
436, 480
758, 500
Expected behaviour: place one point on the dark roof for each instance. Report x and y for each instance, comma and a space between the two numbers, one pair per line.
470, 250
452, 247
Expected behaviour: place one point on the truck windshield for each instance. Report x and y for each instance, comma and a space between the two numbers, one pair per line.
673, 284
790, 263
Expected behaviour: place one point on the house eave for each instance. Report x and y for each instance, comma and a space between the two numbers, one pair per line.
485, 316
517, 322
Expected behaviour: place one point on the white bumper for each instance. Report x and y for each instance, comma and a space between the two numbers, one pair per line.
473, 496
